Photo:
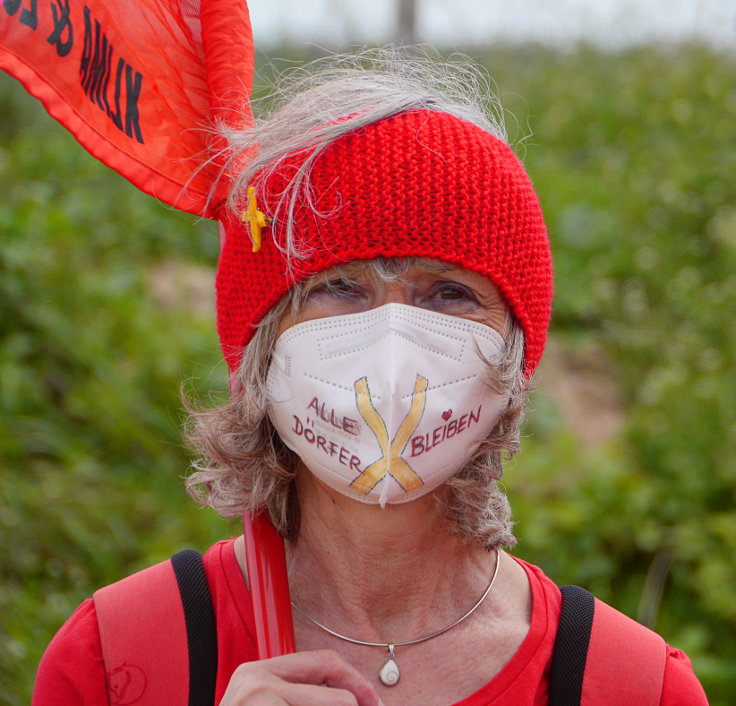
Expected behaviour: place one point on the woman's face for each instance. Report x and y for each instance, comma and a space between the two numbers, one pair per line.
387, 393
427, 284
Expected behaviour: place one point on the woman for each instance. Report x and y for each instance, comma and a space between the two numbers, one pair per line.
383, 300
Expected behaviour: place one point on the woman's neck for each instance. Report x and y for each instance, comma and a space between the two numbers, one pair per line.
381, 574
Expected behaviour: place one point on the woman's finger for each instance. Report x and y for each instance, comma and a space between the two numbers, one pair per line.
321, 667
318, 678
310, 695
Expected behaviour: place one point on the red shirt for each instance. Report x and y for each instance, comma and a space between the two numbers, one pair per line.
72, 671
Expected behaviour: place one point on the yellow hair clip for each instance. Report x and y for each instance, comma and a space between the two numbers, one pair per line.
254, 218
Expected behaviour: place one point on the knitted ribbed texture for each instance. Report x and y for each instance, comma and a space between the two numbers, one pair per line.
419, 183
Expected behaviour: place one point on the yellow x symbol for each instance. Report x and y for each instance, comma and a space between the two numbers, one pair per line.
391, 462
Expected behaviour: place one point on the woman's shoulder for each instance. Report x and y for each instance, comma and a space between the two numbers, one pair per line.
680, 685
73, 670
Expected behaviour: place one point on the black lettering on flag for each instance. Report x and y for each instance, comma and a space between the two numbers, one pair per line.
29, 18
99, 65
118, 84
90, 65
98, 81
63, 34
11, 6
132, 91
86, 49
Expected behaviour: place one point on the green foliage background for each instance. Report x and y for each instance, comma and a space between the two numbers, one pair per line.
633, 156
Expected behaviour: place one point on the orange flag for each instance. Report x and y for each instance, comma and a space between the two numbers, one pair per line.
139, 83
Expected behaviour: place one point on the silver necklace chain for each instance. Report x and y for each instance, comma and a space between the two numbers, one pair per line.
389, 674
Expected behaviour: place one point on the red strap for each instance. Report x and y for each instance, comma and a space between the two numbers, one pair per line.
626, 661
144, 639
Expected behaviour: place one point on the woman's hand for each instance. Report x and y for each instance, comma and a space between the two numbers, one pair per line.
318, 678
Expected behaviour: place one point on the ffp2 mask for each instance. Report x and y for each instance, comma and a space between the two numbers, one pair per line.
385, 405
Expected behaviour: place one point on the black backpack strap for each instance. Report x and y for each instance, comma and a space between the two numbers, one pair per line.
200, 623
571, 646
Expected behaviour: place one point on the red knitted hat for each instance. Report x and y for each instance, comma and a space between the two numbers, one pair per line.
419, 183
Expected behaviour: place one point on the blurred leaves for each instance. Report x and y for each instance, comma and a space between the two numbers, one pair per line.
634, 160
91, 361
633, 157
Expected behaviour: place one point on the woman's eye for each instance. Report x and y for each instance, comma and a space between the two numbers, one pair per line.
451, 298
453, 292
335, 288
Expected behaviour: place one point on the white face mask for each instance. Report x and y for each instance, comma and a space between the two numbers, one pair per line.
386, 405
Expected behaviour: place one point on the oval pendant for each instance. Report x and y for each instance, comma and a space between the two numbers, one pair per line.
389, 674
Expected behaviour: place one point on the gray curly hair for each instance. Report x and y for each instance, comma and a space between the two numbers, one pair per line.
242, 464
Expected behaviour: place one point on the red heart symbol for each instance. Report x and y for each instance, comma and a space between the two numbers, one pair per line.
447, 414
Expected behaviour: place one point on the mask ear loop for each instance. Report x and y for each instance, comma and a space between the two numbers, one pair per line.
265, 559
